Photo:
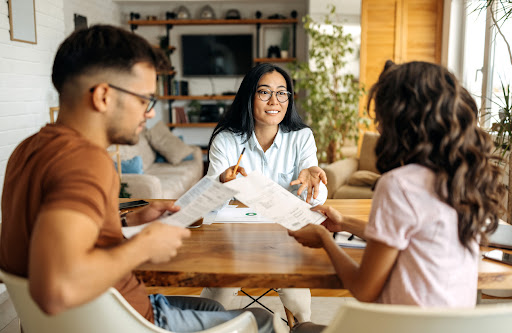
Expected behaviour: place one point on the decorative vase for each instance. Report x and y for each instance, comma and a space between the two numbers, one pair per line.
284, 54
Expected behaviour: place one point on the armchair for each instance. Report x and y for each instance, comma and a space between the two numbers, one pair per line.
353, 178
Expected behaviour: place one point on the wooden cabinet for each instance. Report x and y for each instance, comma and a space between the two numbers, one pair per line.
398, 30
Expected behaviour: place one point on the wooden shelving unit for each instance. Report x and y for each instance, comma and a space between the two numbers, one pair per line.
199, 98
210, 22
259, 60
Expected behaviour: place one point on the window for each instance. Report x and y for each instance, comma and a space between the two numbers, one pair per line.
487, 59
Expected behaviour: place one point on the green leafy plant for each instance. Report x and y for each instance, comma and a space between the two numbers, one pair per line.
332, 101
501, 11
194, 110
501, 131
123, 193
285, 40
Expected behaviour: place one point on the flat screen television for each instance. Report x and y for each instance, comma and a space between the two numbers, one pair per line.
216, 55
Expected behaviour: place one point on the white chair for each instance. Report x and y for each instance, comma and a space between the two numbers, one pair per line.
108, 313
367, 317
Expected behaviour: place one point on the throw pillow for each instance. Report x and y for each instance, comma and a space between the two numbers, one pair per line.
363, 178
133, 165
160, 159
167, 144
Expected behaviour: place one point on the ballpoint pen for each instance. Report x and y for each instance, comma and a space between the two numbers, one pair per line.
238, 163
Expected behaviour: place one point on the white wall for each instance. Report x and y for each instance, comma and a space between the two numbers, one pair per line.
96, 11
26, 91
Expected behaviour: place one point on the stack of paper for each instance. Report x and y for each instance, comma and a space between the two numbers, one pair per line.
346, 239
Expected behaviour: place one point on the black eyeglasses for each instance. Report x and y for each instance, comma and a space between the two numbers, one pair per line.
266, 94
151, 99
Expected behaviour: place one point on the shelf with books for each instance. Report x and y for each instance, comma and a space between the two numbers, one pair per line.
134, 23
260, 60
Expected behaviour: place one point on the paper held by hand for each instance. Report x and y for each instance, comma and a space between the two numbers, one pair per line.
205, 196
273, 201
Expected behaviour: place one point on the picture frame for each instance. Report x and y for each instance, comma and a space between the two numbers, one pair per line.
22, 21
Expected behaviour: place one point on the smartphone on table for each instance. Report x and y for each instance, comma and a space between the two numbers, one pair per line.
132, 204
499, 255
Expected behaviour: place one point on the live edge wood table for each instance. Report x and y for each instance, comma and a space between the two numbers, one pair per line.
264, 256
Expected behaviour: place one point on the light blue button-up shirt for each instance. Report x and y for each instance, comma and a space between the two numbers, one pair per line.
289, 154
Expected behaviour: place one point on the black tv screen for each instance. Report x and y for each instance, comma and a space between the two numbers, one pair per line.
204, 55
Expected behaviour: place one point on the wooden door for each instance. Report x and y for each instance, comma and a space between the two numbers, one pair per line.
398, 30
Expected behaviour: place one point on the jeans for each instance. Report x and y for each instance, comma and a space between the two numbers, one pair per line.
191, 314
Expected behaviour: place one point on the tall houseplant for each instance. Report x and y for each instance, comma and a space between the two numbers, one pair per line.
332, 100
501, 11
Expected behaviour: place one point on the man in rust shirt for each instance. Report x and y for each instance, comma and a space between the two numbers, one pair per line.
60, 222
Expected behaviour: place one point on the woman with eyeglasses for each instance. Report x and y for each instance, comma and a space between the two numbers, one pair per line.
264, 121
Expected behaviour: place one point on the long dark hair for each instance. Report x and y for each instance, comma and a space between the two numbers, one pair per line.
239, 118
427, 117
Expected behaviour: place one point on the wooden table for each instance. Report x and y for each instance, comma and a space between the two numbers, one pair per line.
264, 256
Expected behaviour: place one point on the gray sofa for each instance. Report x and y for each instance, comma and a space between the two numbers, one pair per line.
162, 180
353, 178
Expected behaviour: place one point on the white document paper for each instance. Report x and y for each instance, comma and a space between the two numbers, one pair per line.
232, 214
205, 196
273, 201
346, 239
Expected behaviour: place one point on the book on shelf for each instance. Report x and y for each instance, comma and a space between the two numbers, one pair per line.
178, 115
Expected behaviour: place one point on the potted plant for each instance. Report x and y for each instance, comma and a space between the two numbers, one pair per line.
332, 96
501, 11
194, 111
285, 43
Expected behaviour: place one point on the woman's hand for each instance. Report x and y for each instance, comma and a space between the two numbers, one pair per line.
230, 174
334, 220
151, 212
311, 235
310, 179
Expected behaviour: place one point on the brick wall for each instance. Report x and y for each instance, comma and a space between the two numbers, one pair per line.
26, 91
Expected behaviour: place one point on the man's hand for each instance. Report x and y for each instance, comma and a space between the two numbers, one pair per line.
230, 174
310, 179
151, 212
162, 241
311, 235
334, 220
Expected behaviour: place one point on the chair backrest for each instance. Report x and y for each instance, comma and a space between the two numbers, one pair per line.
367, 157
108, 313
383, 318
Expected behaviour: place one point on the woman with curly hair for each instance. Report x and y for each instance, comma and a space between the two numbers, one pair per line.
439, 195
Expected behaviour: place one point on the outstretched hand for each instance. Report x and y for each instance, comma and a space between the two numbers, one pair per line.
334, 220
310, 179
230, 174
311, 235
151, 212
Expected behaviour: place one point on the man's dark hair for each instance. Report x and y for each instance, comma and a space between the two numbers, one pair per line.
102, 47
239, 119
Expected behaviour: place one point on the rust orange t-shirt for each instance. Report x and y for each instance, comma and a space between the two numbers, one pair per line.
59, 168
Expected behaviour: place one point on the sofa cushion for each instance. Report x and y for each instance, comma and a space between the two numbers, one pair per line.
167, 144
142, 149
133, 165
367, 157
363, 178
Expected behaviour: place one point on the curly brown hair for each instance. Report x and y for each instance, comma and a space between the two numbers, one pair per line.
426, 117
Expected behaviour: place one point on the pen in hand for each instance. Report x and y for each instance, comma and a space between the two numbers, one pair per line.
238, 163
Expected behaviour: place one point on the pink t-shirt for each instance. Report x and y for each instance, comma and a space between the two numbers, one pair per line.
433, 269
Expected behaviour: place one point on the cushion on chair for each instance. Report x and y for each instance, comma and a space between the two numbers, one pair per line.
363, 178
367, 157
167, 144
